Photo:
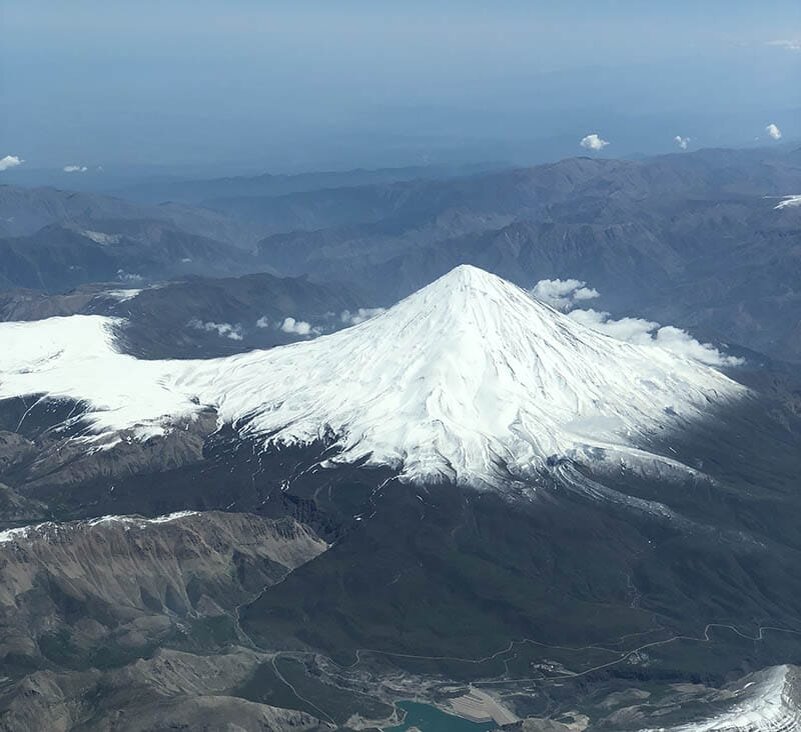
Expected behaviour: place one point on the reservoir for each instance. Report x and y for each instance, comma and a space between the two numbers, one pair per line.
430, 719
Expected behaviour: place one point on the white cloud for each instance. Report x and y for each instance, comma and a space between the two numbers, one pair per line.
289, 325
682, 142
10, 161
75, 168
789, 44
647, 332
593, 142
224, 330
360, 315
773, 132
298, 327
563, 294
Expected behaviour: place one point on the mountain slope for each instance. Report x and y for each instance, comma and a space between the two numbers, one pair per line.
469, 379
658, 545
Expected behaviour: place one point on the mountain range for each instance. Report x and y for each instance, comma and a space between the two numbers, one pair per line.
520, 444
699, 240
485, 492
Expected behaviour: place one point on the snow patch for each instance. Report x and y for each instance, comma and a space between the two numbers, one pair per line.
139, 521
98, 237
76, 357
122, 295
34, 531
789, 202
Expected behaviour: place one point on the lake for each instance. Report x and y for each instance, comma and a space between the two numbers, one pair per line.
430, 719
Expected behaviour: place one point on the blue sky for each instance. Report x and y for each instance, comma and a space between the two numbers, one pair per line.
287, 86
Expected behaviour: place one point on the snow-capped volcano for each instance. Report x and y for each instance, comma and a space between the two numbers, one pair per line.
467, 377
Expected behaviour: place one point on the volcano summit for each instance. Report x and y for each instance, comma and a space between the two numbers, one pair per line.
469, 380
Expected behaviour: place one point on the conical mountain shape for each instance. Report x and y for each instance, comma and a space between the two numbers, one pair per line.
468, 379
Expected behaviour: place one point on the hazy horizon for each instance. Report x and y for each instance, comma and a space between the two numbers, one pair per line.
260, 86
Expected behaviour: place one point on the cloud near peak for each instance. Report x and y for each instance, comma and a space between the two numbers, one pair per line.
682, 142
75, 168
298, 327
565, 294
774, 133
593, 142
362, 314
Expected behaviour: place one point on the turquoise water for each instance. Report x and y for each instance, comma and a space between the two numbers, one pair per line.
430, 719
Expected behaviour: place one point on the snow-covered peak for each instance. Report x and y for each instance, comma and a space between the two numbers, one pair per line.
469, 379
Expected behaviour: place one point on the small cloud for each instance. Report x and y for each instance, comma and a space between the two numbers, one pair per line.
10, 161
682, 142
593, 142
360, 315
563, 294
647, 332
774, 133
789, 44
290, 325
224, 330
75, 168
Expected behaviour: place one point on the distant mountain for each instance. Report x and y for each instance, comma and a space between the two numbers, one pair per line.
58, 258
269, 185
524, 192
24, 211
198, 316
693, 239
